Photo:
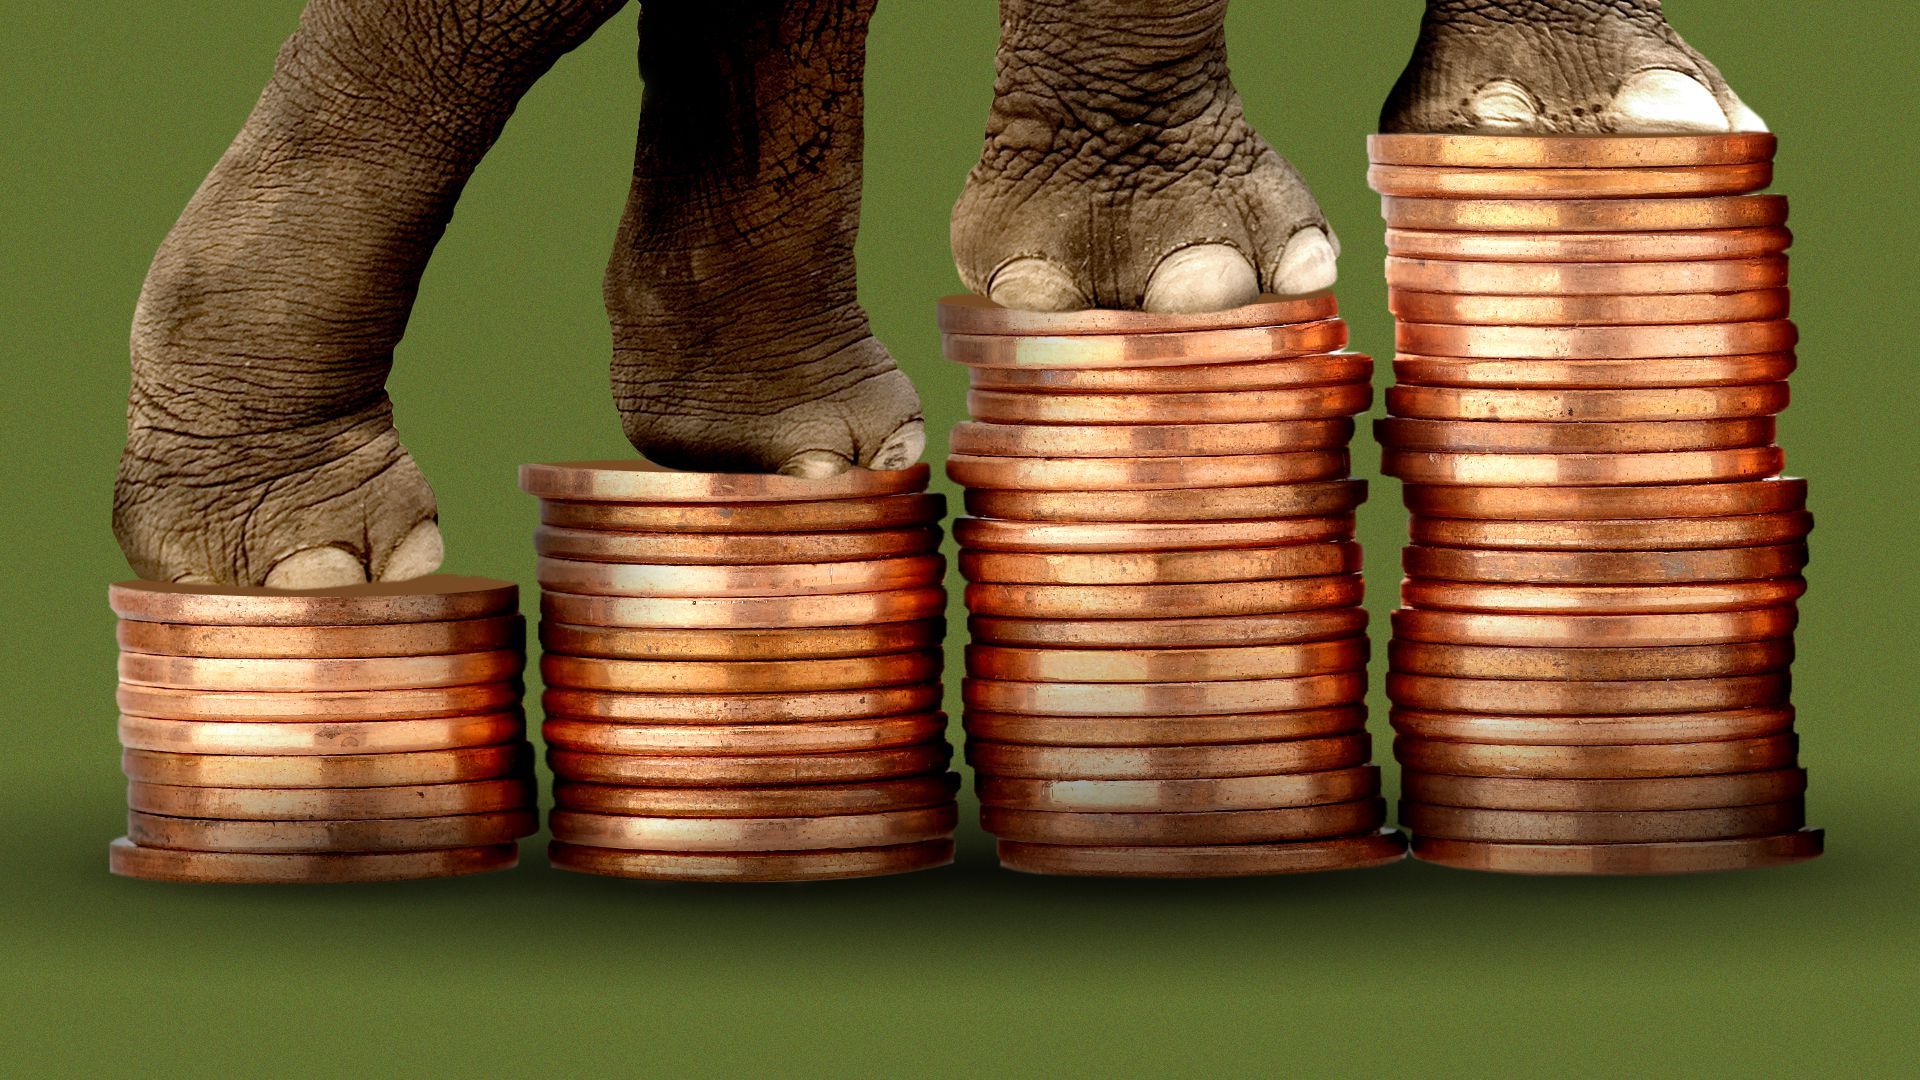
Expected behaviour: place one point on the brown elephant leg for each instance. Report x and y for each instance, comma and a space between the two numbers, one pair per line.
1559, 66
1119, 169
738, 340
260, 443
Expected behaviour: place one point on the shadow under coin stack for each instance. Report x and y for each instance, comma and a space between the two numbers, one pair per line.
1168, 659
743, 672
371, 733
1589, 672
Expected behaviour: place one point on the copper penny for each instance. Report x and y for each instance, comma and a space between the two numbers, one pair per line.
1299, 403
832, 736
1144, 473
738, 676
734, 549
1571, 151
127, 859
1220, 860
1181, 796
1666, 403
1567, 183
1658, 534
748, 770
1165, 665
1597, 762
1601, 826
1177, 348
1340, 367
1567, 697
639, 481
1674, 857
425, 599
1595, 342
1591, 663
1206, 504
802, 801
314, 837
1593, 730
1150, 440
1193, 698
318, 642
1602, 599
1605, 567
331, 737
1572, 437
1583, 796
326, 771
1586, 279
1580, 631
778, 579
968, 314
1162, 567
1764, 496
1224, 631
783, 708
1675, 246
747, 612
1582, 470
1594, 374
320, 804
1151, 601
751, 866
630, 833
1057, 538
318, 706
1168, 762
1672, 308
1585, 215
1236, 727
833, 515
1163, 829
283, 675
806, 643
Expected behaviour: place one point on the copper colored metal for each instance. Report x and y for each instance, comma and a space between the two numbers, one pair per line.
1567, 183
1144, 473
426, 599
127, 859
1415, 370
800, 801
1571, 151
290, 675
1163, 730
1299, 403
1585, 215
1156, 601
1769, 495
782, 708
1162, 567
885, 512
969, 314
738, 676
807, 643
1340, 367
746, 612
631, 833
1601, 826
752, 866
1572, 437
1597, 762
321, 804
1595, 342
315, 837
318, 706
1193, 698
1602, 599
748, 770
1593, 730
326, 771
734, 549
1207, 504
1167, 762
1605, 567
1586, 279
1165, 665
774, 580
1180, 348
1658, 794
1673, 308
826, 737
1184, 538
1579, 631
1225, 631
1163, 829
1668, 403
1683, 467
1221, 860
1181, 796
330, 737
1150, 440
1677, 246
1605, 697
1658, 534
1590, 663
640, 481
1676, 857
317, 642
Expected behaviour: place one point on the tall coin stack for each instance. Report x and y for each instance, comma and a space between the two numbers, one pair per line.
371, 733
1589, 672
743, 672
1168, 659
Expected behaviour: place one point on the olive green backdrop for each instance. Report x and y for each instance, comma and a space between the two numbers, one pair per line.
112, 113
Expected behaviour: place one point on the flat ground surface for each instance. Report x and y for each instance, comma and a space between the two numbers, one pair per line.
112, 116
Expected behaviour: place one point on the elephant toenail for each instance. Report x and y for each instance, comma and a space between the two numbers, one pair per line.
1032, 284
903, 447
1203, 277
1661, 100
418, 554
1307, 264
317, 568
815, 465
1504, 105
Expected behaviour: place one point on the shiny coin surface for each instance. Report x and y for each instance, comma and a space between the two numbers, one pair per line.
627, 832
1221, 860
1592, 662
1602, 599
318, 642
830, 736
1168, 762
734, 549
128, 859
978, 535
1181, 796
1144, 473
796, 801
1303, 403
1563, 697
969, 314
1595, 342
326, 771
1495, 310
1673, 857
738, 676
1162, 567
425, 599
1591, 246
1150, 440
1660, 793
1341, 367
331, 737
807, 643
752, 866
1656, 534
1208, 504
1165, 665
1605, 567
321, 804
1162, 828
1597, 762
1235, 630
828, 515
1163, 730
1579, 631
1572, 437
1176, 348
1415, 370
1659, 500
781, 708
1586, 279
1601, 826
1149, 601
1571, 151
1684, 467
639, 481
748, 770
286, 675
1670, 403
701, 582
313, 837
1585, 215
746, 612
1593, 730
317, 706
1567, 183
1166, 698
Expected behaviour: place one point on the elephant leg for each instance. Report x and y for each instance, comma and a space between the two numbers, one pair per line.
260, 441
1120, 171
1559, 66
738, 340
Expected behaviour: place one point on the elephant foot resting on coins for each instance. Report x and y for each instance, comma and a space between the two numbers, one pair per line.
1119, 170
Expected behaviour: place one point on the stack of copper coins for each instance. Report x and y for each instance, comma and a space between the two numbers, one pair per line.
1589, 674
743, 672
371, 733
1168, 659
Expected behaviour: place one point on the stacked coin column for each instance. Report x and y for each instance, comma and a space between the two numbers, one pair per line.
743, 672
1167, 669
1589, 674
373, 733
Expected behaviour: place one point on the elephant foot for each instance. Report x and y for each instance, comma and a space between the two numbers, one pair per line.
1559, 67
1119, 169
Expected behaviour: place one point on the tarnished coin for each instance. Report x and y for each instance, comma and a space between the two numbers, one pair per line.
1707, 596
317, 642
1586, 279
1134, 537
1162, 567
751, 866
1165, 665
640, 481
1163, 730
1340, 367
1495, 310
327, 770
1563, 697
771, 580
315, 837
1580, 631
1144, 473
1163, 828
317, 706
1585, 215
748, 770
1152, 601
1673, 857
830, 515
425, 599
1593, 730
1150, 440
1166, 698
1220, 860
1223, 631
1684, 467
632, 833
797, 801
1597, 762
290, 675
831, 736
1168, 762
128, 859
1601, 826
969, 314
1414, 370
1605, 567
1675, 246
781, 708
321, 804
1657, 794
1572, 437
1177, 348
1592, 662
1571, 151
1567, 183
738, 676
1595, 342
328, 737
1240, 406
1657, 534
734, 549
805, 643
1206, 504
746, 612
1769, 495
1668, 403
1181, 796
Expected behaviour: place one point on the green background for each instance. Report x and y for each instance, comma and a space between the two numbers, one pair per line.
113, 112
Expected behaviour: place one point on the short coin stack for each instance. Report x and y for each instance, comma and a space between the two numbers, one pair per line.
371, 733
1589, 674
743, 672
1168, 659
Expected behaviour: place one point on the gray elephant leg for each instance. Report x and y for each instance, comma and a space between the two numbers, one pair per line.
260, 443
1559, 66
738, 340
1119, 169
